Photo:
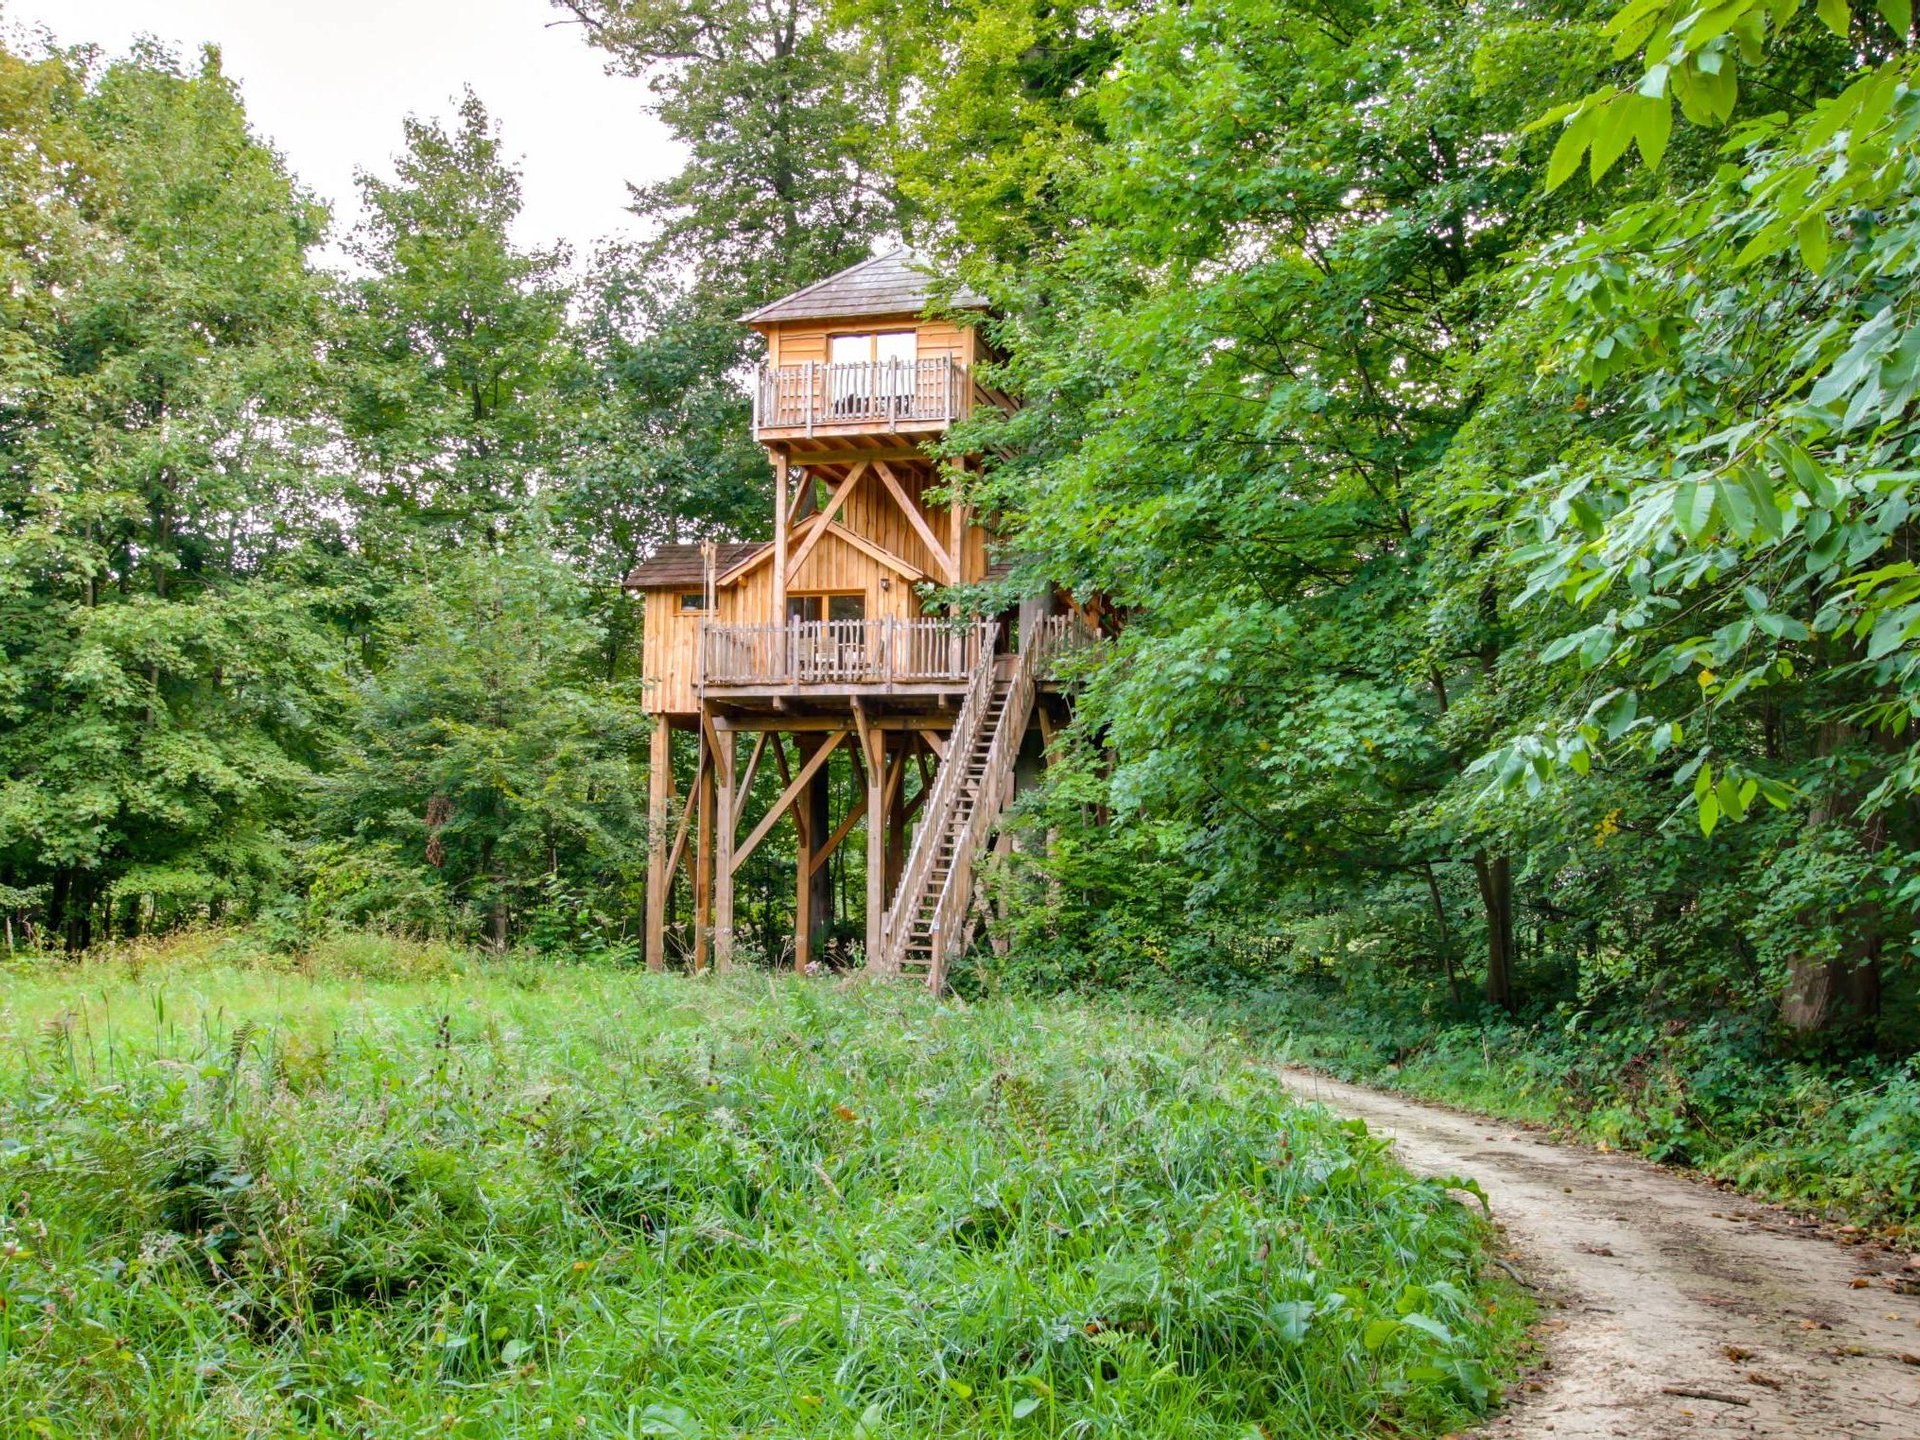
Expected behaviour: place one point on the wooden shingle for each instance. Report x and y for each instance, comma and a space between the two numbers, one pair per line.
680, 567
897, 283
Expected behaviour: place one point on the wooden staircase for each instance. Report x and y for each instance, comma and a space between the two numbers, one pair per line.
932, 917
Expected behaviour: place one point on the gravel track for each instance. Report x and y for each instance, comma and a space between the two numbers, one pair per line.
1671, 1308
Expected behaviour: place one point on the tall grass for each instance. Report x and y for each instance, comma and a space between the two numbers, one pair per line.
400, 1192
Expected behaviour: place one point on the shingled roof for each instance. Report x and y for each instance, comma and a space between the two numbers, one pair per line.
897, 283
680, 567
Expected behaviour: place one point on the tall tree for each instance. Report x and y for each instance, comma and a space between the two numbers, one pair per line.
1242, 361
161, 670
451, 343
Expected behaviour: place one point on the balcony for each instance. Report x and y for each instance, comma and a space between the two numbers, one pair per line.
932, 654
888, 397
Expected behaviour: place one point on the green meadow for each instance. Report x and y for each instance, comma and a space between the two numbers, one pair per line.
397, 1190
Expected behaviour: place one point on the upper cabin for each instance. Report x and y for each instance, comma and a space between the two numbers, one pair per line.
854, 358
857, 379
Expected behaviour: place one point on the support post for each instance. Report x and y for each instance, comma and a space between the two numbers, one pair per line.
659, 808
873, 751
780, 537
897, 811
811, 833
723, 858
703, 862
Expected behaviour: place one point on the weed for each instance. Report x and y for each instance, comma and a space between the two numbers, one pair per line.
400, 1190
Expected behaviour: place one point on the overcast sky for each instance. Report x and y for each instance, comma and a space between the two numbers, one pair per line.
328, 83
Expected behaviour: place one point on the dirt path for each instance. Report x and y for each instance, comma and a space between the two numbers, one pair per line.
1655, 1283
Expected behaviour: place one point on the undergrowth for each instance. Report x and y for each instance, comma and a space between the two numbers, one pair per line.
394, 1190
1838, 1136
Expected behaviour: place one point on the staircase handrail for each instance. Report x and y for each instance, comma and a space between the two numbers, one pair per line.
952, 912
938, 811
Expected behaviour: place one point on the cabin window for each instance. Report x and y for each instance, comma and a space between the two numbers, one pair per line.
874, 348
692, 600
872, 375
804, 608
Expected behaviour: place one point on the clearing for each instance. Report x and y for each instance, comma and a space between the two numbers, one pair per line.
1681, 1310
398, 1193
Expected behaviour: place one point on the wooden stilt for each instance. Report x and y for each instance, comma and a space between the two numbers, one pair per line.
873, 744
703, 862
659, 807
803, 886
723, 857
897, 811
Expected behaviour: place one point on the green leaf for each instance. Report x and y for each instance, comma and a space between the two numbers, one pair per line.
1568, 149
1836, 15
671, 1421
1379, 1333
1899, 14
1811, 233
1613, 130
1692, 508
1653, 126
1025, 1406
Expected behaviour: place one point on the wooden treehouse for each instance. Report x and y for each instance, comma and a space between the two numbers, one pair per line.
821, 646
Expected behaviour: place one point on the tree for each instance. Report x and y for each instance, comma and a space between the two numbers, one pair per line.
451, 344
1242, 362
484, 762
1721, 549
163, 673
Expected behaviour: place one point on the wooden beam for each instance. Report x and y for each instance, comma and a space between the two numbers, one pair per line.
753, 766
659, 811
807, 723
872, 741
957, 521
896, 812
814, 762
949, 564
802, 864
878, 552
819, 524
686, 818
840, 832
703, 861
780, 537
936, 742
865, 727
723, 856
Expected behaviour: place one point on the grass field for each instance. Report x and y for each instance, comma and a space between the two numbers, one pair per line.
398, 1192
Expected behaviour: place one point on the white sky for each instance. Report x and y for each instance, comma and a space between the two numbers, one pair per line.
329, 82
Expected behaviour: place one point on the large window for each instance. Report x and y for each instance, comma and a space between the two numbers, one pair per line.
874, 348
826, 607
873, 372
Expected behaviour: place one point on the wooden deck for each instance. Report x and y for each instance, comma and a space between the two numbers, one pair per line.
905, 656
891, 398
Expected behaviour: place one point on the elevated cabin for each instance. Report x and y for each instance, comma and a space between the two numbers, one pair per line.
825, 637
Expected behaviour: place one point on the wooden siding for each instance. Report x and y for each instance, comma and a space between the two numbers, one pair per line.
669, 642
671, 636
800, 341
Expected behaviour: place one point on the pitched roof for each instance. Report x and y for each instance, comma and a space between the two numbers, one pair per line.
896, 283
679, 567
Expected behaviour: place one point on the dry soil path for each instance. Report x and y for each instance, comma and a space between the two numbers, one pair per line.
1658, 1285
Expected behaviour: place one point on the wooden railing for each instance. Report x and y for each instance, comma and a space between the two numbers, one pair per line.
788, 397
955, 913
842, 652
937, 814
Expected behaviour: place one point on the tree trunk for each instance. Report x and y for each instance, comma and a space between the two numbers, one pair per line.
1824, 991
1495, 874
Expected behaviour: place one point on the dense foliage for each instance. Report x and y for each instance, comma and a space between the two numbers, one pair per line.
412, 1190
